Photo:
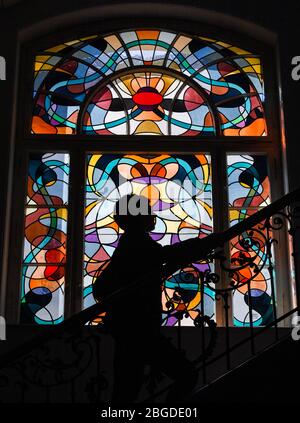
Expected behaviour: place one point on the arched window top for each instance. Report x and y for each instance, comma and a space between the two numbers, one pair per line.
141, 82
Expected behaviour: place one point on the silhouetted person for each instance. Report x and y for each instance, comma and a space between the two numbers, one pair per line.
134, 319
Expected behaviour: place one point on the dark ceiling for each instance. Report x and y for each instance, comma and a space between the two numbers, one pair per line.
8, 3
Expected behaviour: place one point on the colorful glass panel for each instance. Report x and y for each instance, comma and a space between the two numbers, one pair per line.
202, 87
248, 192
148, 104
179, 189
44, 251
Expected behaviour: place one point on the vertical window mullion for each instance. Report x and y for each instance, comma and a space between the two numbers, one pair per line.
220, 218
13, 294
284, 283
75, 234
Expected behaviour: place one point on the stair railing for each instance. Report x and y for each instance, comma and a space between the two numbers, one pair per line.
35, 364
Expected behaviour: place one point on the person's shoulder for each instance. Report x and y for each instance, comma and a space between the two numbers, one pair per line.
140, 239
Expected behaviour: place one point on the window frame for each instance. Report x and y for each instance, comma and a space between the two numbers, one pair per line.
79, 145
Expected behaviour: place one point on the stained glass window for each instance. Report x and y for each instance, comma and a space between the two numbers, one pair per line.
44, 251
249, 191
148, 82
179, 189
181, 88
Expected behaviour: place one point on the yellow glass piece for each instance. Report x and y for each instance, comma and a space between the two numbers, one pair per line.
239, 51
56, 49
88, 38
148, 127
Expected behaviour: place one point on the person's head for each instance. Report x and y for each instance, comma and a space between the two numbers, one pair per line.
133, 212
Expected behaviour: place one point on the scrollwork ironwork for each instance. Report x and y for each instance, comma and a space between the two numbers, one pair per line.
69, 355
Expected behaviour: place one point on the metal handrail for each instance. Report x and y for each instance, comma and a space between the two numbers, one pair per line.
74, 322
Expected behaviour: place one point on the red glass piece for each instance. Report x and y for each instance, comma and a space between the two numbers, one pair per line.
147, 98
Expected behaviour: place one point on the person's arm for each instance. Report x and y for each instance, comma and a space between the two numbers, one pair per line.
183, 253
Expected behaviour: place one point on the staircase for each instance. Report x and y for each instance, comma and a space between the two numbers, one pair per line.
264, 379
72, 362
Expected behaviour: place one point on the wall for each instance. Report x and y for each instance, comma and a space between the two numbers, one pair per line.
31, 19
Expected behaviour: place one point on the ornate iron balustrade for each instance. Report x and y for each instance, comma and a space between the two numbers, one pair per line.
68, 358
